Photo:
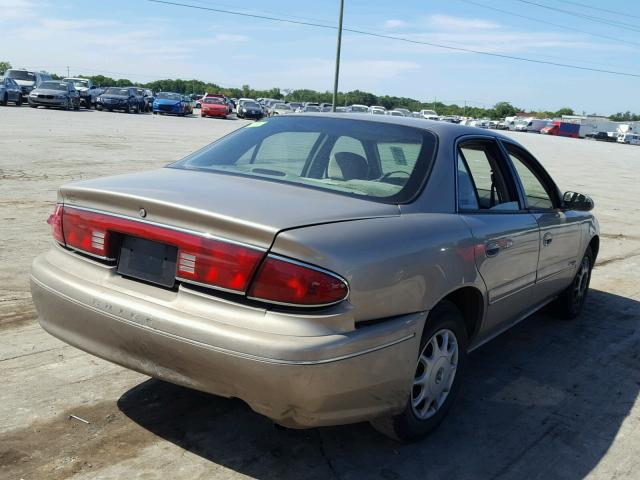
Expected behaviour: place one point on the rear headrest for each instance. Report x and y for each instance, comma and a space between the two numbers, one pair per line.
352, 165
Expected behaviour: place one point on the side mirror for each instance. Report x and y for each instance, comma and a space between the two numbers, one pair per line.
577, 201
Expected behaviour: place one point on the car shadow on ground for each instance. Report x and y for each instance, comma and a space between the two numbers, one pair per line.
544, 400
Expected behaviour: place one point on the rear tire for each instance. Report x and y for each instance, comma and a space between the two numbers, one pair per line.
436, 383
570, 302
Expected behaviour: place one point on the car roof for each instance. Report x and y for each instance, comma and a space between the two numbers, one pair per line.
437, 127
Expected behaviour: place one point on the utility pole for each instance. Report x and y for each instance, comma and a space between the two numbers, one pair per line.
68, 71
339, 44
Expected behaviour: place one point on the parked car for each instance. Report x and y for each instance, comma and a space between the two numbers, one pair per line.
250, 110
86, 89
603, 136
429, 114
629, 138
562, 129
120, 98
27, 80
10, 91
146, 99
214, 107
280, 109
295, 106
54, 93
395, 113
374, 110
310, 108
358, 263
357, 108
172, 103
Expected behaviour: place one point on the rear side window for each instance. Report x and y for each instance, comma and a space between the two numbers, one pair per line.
378, 161
482, 182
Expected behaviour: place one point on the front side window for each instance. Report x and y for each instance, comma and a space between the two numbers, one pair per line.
377, 161
482, 184
537, 195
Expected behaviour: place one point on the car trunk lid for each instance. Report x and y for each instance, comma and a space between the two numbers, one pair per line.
236, 208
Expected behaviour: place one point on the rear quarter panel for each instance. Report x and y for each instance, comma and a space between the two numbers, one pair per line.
394, 265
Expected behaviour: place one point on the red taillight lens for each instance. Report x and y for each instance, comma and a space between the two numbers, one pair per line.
201, 259
55, 220
285, 282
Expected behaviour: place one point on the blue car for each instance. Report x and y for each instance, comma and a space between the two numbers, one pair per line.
174, 103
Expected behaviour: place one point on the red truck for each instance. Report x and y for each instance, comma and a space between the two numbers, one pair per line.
562, 129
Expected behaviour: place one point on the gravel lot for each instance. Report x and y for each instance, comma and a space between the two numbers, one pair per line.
548, 399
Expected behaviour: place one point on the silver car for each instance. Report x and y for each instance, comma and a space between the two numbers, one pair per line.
324, 268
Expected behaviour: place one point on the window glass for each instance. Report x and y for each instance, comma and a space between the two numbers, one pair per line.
398, 157
478, 169
535, 192
346, 156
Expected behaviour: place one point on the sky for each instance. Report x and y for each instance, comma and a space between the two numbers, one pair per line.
144, 41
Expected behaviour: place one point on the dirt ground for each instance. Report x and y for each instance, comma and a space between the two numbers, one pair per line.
546, 400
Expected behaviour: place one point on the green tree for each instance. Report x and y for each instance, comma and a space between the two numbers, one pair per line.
4, 66
564, 111
504, 109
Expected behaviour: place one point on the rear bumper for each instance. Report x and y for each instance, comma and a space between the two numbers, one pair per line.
297, 380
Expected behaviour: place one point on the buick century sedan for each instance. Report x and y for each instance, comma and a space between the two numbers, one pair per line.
323, 268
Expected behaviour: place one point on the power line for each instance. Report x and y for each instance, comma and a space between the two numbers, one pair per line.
400, 39
545, 22
614, 23
612, 12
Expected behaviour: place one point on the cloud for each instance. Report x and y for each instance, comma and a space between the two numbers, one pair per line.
448, 22
16, 10
392, 24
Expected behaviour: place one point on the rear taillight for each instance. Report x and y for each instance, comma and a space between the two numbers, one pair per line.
55, 220
201, 259
287, 282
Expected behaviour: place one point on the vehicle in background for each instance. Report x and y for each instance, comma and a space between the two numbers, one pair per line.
214, 107
535, 125
602, 136
310, 108
27, 80
324, 105
54, 93
242, 100
88, 91
10, 91
375, 110
416, 115
429, 114
197, 100
172, 103
503, 125
562, 129
281, 109
395, 113
405, 112
250, 109
356, 108
629, 138
326, 108
295, 106
341, 109
146, 99
120, 98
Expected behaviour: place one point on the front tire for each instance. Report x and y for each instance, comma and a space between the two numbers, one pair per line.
19, 101
5, 99
570, 302
439, 370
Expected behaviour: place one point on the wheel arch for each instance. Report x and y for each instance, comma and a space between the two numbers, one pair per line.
594, 244
470, 301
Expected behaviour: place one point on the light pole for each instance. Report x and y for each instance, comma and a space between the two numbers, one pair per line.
337, 74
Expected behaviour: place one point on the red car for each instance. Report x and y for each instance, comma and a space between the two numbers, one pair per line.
214, 107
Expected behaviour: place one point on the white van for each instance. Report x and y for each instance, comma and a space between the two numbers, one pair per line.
630, 138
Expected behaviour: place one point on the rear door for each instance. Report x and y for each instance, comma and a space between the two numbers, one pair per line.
560, 237
506, 235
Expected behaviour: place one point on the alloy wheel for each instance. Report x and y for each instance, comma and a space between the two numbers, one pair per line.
435, 373
581, 282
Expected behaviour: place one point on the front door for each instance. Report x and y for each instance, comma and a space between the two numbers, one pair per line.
507, 236
560, 239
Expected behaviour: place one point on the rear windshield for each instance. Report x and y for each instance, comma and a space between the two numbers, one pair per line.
213, 100
378, 161
117, 91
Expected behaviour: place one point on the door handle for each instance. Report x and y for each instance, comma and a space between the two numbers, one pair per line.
547, 239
